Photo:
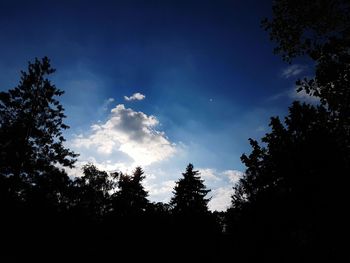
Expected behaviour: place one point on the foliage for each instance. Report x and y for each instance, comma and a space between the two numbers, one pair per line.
319, 30
290, 204
31, 122
189, 193
131, 199
92, 192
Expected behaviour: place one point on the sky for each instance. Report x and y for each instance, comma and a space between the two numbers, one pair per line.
158, 84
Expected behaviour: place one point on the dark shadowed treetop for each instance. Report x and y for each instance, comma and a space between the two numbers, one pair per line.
295, 183
189, 193
131, 198
289, 205
92, 192
96, 179
319, 29
31, 122
305, 26
298, 154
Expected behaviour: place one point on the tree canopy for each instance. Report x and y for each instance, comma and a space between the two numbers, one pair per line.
189, 193
31, 121
290, 204
320, 30
131, 199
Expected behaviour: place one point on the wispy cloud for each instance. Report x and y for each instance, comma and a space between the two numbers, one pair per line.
292, 94
293, 70
105, 106
302, 96
135, 96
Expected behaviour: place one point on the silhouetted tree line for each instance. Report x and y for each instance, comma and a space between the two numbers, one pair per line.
44, 212
290, 206
292, 203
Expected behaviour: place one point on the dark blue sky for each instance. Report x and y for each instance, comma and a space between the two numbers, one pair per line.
207, 70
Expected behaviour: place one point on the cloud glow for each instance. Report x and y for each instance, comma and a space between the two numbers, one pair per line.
130, 132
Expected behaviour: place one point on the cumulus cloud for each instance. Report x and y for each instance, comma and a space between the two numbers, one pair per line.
127, 132
221, 184
209, 174
222, 191
221, 198
233, 175
130, 138
159, 191
213, 175
292, 71
135, 96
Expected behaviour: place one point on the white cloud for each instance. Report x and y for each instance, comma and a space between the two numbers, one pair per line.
135, 96
221, 184
294, 95
292, 71
213, 175
221, 198
209, 174
129, 138
159, 191
233, 175
221, 193
127, 133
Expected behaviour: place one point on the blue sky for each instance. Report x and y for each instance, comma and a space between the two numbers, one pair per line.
206, 69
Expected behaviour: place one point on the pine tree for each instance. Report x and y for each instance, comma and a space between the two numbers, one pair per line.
31, 125
189, 193
35, 188
131, 199
192, 222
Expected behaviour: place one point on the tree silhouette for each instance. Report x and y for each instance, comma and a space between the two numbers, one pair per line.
320, 30
31, 121
192, 222
42, 207
292, 196
93, 192
35, 191
290, 205
131, 198
189, 193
